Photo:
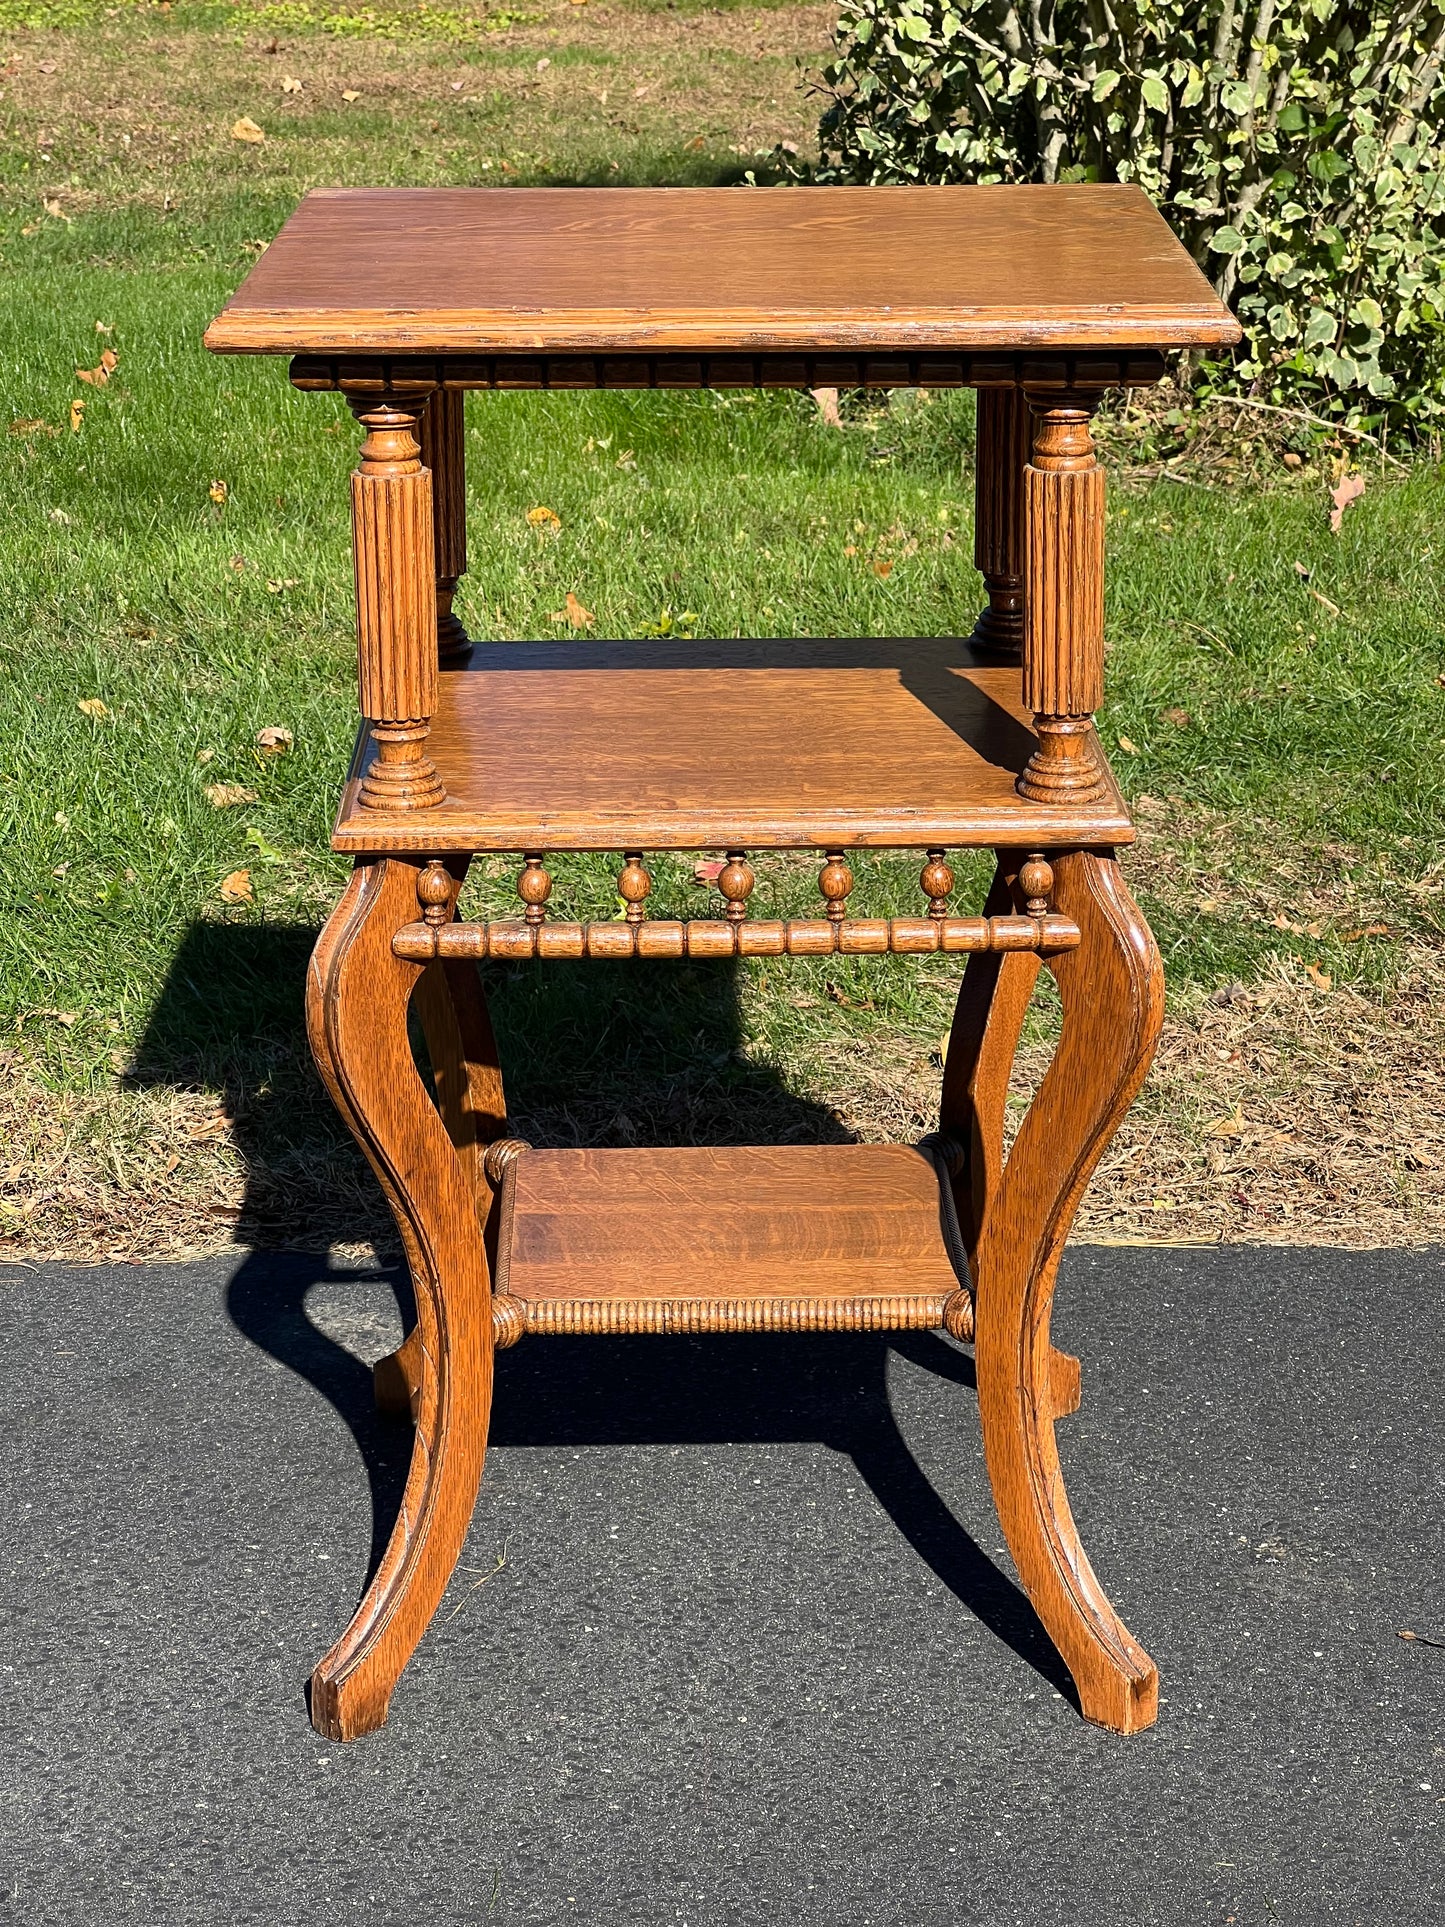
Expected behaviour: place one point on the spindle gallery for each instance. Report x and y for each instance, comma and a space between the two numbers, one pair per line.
1042, 298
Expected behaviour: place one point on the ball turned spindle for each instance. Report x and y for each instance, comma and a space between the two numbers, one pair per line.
835, 880
634, 885
936, 879
434, 894
736, 881
1036, 881
534, 886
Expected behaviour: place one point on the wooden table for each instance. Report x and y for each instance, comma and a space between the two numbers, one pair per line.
1041, 298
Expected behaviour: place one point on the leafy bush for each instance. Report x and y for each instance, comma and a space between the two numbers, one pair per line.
1297, 147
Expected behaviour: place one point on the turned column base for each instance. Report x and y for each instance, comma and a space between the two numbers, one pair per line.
999, 631
403, 776
454, 645
1064, 769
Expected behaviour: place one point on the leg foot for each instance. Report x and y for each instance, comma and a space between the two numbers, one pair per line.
1112, 993
356, 1009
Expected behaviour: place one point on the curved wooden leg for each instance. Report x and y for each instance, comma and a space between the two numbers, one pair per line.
467, 1076
1112, 992
982, 1043
356, 1014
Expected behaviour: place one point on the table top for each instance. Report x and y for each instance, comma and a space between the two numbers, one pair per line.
504, 270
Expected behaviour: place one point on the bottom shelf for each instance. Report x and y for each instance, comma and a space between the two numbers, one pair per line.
752, 1238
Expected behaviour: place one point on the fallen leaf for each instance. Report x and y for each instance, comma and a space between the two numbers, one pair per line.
274, 740
881, 568
941, 1047
543, 64
101, 373
290, 84
219, 493
173, 1164
1302, 572
204, 756
281, 582
59, 516
1419, 1638
1291, 460
574, 613
1321, 979
544, 520
60, 869
1231, 1126
1349, 489
104, 327
1179, 717
29, 426
92, 706
350, 93
827, 400
239, 564
1129, 749
56, 211
837, 996
1333, 607
46, 66
236, 888
708, 871
695, 145
1366, 930
225, 796
77, 414
245, 129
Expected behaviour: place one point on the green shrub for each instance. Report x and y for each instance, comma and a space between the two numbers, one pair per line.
1297, 147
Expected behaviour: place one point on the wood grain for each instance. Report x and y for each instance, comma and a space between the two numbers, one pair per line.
430, 270
356, 1015
396, 609
516, 939
1112, 990
832, 745
751, 1238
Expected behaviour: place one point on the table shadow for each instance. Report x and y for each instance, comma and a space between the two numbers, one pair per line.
564, 1393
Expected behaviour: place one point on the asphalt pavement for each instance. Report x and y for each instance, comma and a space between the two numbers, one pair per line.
734, 1639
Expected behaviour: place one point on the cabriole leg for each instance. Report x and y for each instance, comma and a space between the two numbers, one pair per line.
1112, 993
356, 1014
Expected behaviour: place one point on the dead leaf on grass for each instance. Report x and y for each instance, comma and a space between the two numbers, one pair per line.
225, 796
1348, 489
882, 568
1366, 930
573, 613
101, 373
26, 428
56, 211
290, 84
1321, 979
1231, 1126
827, 400
236, 888
274, 740
544, 520
1179, 717
708, 871
220, 493
1129, 749
350, 93
92, 706
245, 129
77, 414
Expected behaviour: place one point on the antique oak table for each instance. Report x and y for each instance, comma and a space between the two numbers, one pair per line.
1041, 298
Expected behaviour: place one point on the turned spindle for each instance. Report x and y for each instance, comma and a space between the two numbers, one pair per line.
634, 885
736, 880
395, 564
1063, 666
434, 893
1001, 453
937, 880
443, 452
835, 880
534, 886
1036, 881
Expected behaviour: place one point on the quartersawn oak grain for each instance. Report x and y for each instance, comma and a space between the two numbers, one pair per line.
616, 746
436, 270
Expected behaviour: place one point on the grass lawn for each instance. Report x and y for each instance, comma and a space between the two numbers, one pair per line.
1276, 710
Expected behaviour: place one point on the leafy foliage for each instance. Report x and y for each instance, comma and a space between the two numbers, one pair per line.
1297, 146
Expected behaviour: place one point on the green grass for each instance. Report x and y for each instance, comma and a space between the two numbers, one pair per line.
1288, 757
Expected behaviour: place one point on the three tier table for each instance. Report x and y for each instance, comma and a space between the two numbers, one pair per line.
1041, 298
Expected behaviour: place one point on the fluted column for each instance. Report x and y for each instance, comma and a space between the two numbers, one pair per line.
1001, 451
393, 546
443, 451
1063, 659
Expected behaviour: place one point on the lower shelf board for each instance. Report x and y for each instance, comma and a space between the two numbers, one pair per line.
748, 1238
